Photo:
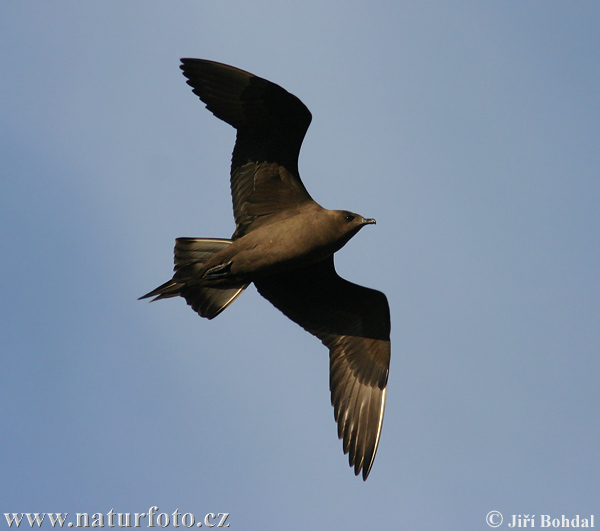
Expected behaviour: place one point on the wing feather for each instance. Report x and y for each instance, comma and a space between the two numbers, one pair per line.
271, 124
354, 323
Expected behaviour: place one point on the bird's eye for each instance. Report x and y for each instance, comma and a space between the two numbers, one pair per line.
349, 217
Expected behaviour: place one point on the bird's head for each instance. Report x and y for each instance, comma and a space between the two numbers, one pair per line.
347, 224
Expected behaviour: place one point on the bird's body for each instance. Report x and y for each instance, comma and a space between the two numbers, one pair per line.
318, 234
284, 243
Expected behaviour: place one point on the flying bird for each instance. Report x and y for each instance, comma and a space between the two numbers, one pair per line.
284, 243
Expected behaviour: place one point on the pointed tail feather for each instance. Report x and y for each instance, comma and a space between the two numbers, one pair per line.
190, 256
164, 291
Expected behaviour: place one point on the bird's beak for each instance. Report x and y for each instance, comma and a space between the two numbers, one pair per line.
369, 221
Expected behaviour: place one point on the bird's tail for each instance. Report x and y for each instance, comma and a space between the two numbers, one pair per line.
190, 256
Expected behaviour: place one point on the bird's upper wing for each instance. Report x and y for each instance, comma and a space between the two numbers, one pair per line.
354, 323
271, 124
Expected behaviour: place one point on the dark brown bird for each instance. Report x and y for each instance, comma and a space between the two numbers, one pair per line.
284, 242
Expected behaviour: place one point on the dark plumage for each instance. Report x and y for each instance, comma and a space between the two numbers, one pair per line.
284, 242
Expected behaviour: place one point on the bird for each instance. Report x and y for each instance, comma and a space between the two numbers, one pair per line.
284, 243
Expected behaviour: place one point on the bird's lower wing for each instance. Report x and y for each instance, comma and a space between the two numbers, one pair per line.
354, 323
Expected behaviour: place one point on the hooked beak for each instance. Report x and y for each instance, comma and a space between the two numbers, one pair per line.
369, 221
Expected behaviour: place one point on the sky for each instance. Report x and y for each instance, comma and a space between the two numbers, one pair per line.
468, 129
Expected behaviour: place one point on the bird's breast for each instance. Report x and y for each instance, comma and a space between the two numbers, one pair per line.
283, 246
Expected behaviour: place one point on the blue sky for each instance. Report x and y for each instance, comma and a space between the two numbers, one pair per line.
470, 130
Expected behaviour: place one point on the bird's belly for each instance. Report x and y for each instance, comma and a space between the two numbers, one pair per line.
268, 252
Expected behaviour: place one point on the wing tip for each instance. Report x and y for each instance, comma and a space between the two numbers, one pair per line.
361, 455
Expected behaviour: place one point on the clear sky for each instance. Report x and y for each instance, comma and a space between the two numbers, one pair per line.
470, 130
